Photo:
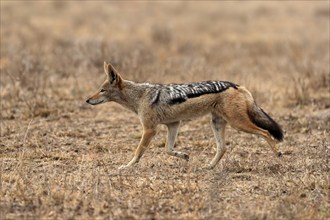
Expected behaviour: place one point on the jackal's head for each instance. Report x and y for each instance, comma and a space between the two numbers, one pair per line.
110, 88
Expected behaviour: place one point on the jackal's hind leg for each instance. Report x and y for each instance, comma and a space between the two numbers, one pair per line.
148, 134
171, 136
271, 142
218, 127
251, 128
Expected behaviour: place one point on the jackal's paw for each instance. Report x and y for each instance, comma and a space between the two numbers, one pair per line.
179, 154
185, 156
123, 167
205, 168
209, 167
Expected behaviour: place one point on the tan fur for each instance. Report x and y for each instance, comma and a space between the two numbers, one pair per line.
231, 106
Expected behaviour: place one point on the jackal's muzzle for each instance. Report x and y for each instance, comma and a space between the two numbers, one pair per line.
94, 102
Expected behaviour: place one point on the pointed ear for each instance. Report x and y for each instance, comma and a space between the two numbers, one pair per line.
105, 66
112, 73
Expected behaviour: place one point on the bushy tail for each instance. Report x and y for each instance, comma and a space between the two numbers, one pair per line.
264, 121
261, 118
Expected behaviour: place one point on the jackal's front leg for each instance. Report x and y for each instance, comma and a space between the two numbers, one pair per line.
148, 134
171, 136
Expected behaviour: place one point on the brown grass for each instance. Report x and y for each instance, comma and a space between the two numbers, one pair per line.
59, 156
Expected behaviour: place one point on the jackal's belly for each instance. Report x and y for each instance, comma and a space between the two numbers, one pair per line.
190, 109
184, 115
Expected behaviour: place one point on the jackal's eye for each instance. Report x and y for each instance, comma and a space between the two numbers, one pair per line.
102, 90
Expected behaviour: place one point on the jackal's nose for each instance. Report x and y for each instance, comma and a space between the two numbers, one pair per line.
87, 101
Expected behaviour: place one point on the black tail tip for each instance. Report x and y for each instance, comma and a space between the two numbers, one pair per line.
274, 128
277, 133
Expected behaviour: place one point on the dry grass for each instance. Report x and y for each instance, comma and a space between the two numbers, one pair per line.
59, 157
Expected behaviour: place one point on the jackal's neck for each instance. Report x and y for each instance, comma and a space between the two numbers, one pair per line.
131, 94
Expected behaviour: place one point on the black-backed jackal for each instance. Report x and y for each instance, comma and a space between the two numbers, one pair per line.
155, 104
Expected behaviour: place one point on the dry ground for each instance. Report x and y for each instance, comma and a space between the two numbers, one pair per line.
59, 156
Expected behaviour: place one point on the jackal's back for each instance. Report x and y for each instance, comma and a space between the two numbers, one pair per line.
178, 93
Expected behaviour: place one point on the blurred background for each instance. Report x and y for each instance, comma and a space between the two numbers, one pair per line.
55, 50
